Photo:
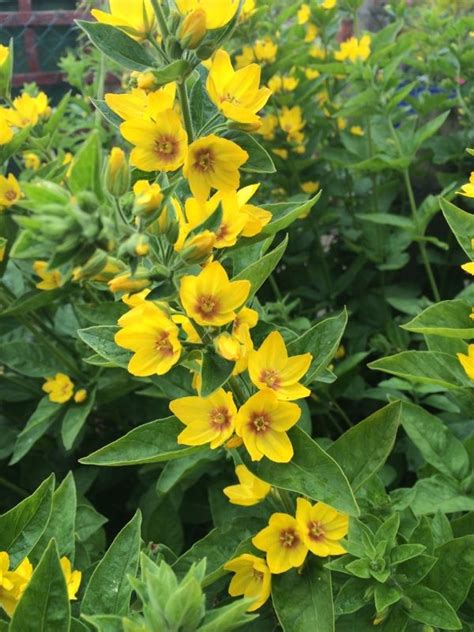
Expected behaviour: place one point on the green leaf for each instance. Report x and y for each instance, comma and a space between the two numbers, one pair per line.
32, 301
117, 45
44, 416
322, 341
215, 372
363, 450
285, 214
259, 159
62, 521
386, 596
44, 606
449, 495
425, 367
101, 340
388, 219
22, 526
429, 129
175, 71
448, 318
28, 359
431, 608
259, 271
437, 444
153, 442
86, 169
404, 552
105, 313
108, 114
218, 547
311, 472
75, 418
109, 590
227, 617
461, 223
352, 596
453, 573
105, 623
303, 600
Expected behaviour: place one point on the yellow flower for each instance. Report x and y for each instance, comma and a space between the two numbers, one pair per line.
252, 579
354, 49
283, 543
210, 298
31, 161
250, 491
282, 153
153, 338
24, 112
310, 187
136, 18
207, 419
144, 80
468, 189
13, 582
245, 58
80, 396
248, 10
271, 368
192, 335
50, 279
303, 14
341, 123
292, 122
236, 93
141, 104
311, 33
322, 527
213, 163
60, 388
72, 578
468, 267
265, 50
4, 54
290, 83
247, 317
311, 74
328, 4
160, 144
317, 52
148, 197
467, 361
218, 12
42, 104
6, 132
10, 191
193, 29
117, 173
262, 423
268, 126
275, 84
356, 130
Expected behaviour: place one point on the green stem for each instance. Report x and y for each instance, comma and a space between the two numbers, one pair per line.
158, 49
160, 16
184, 101
100, 88
120, 212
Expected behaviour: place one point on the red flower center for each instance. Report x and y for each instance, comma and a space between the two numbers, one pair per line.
316, 531
220, 417
260, 422
204, 161
10, 195
167, 148
163, 345
288, 538
271, 378
207, 306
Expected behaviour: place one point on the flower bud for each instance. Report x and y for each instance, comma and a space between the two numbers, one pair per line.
80, 396
193, 29
143, 80
117, 174
148, 197
128, 283
92, 267
6, 66
3, 248
198, 248
228, 347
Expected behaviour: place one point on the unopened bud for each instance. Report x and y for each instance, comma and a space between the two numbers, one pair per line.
193, 29
117, 174
228, 347
198, 248
6, 66
80, 396
143, 80
148, 197
128, 283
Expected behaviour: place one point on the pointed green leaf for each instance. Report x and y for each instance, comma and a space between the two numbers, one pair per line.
448, 318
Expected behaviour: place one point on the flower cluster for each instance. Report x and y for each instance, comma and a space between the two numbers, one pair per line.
13, 582
60, 389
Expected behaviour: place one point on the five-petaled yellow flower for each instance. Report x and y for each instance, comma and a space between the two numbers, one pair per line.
207, 419
218, 12
262, 423
252, 579
160, 144
304, 13
271, 368
354, 49
13, 582
251, 490
152, 336
60, 388
136, 18
50, 279
10, 191
265, 50
237, 94
467, 361
213, 163
283, 542
322, 527
210, 298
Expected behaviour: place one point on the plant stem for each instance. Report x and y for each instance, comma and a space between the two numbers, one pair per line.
160, 16
100, 88
184, 101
